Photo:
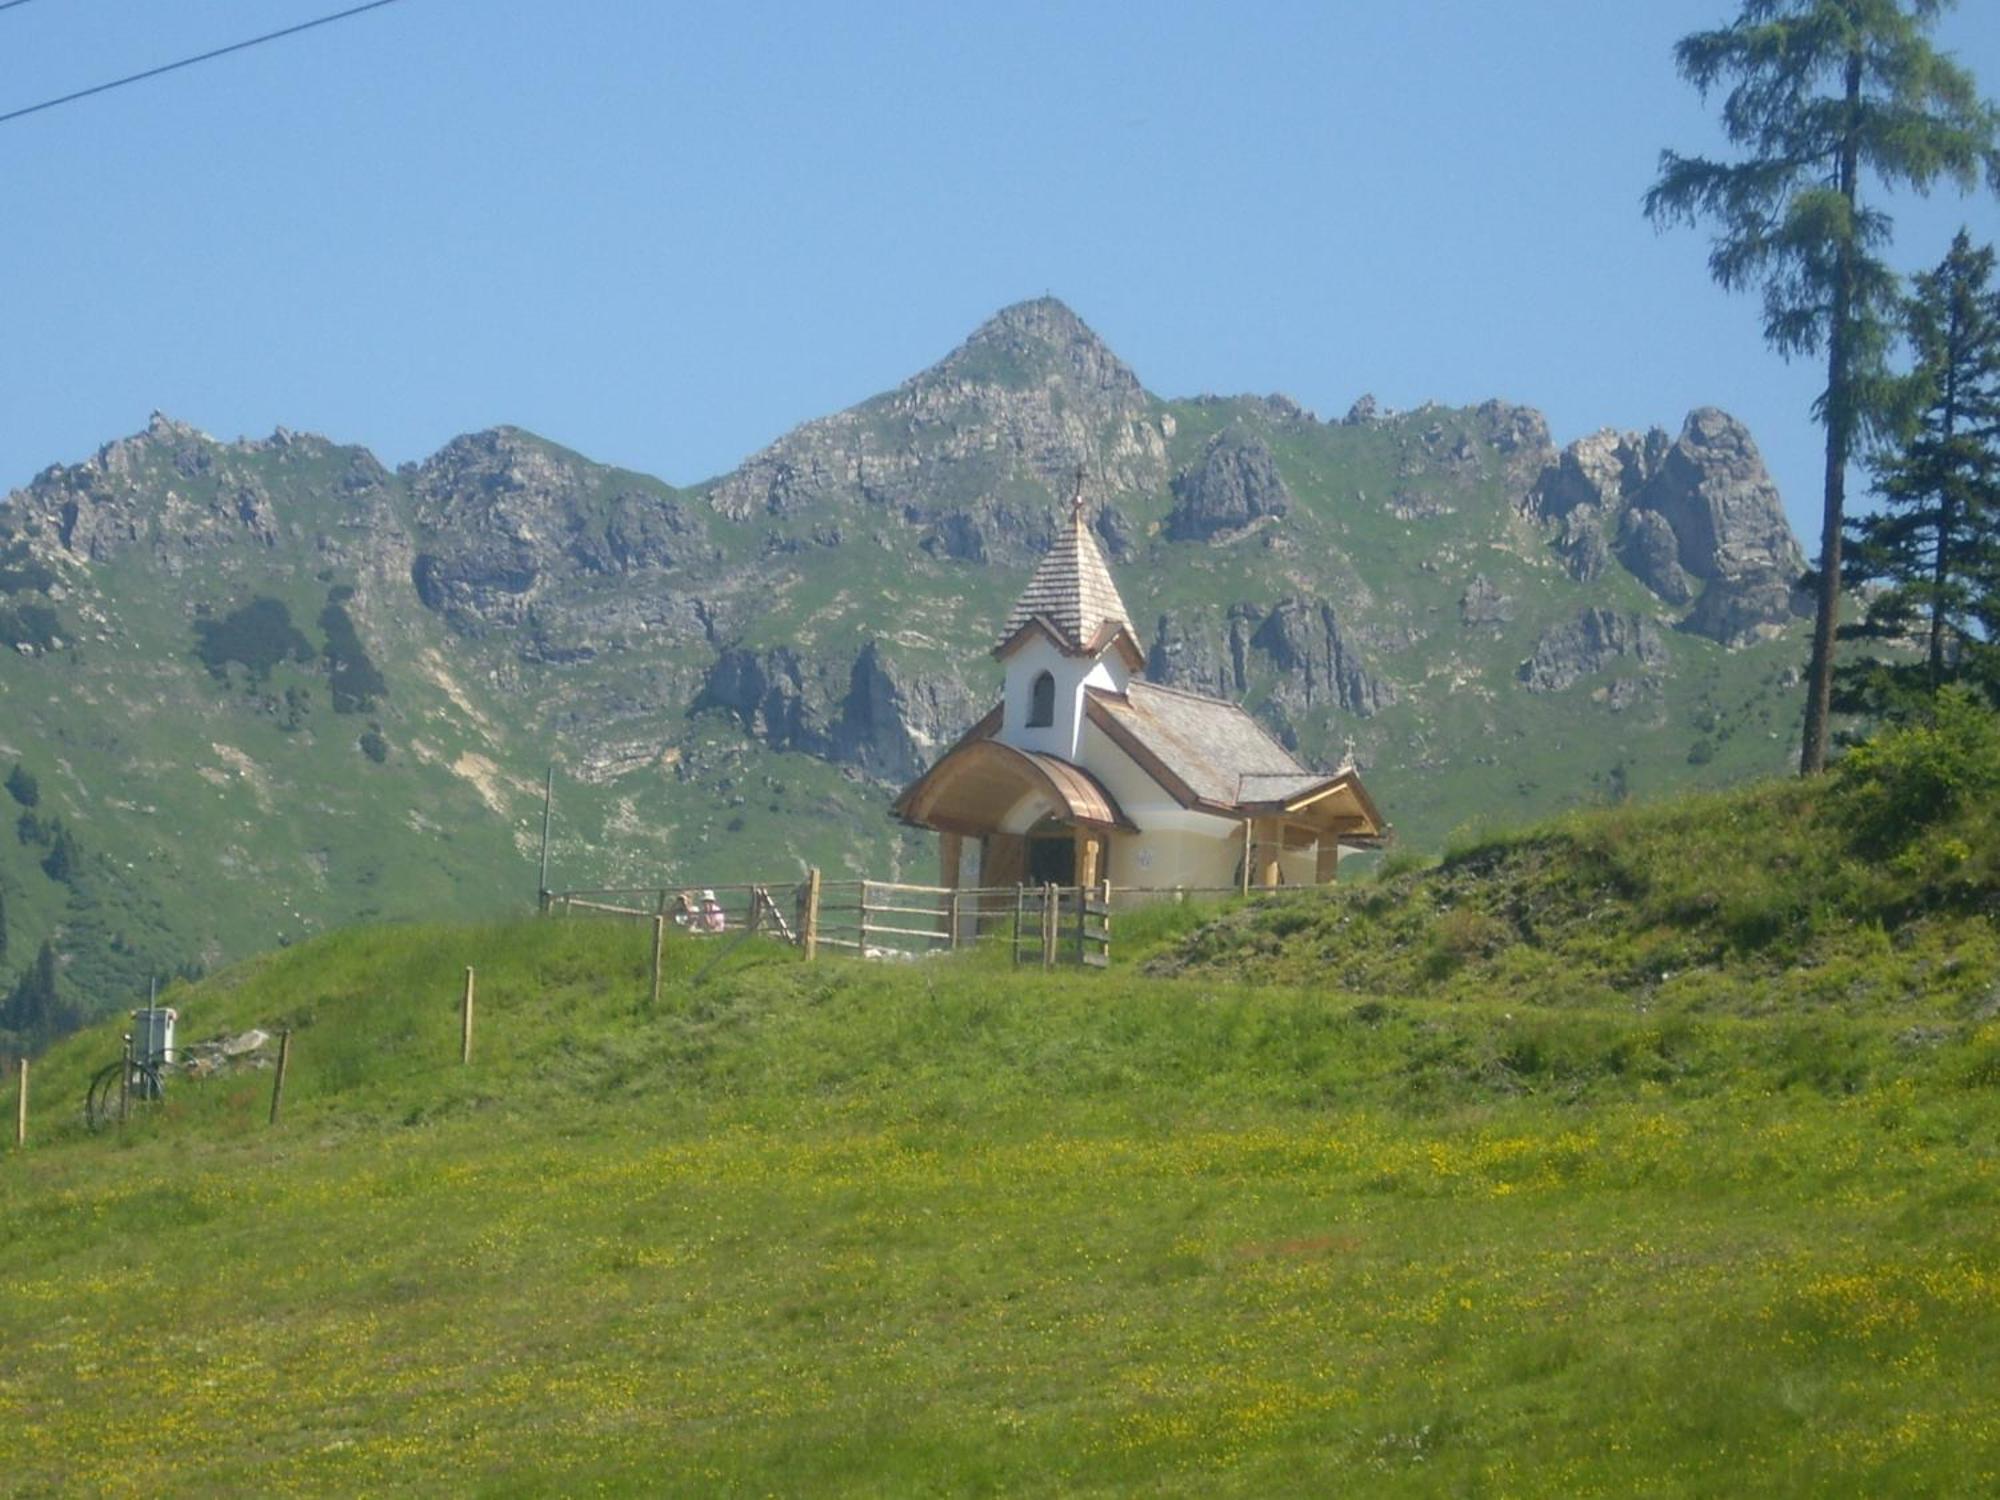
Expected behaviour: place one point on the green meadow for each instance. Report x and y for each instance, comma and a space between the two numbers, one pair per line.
1648, 1152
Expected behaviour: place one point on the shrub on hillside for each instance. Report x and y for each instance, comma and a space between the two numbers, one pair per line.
22, 786
1909, 778
257, 637
355, 680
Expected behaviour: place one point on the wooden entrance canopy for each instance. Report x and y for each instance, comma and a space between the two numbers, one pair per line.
981, 786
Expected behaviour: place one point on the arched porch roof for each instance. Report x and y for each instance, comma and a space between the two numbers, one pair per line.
982, 786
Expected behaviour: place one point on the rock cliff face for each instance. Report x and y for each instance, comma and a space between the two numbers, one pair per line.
1235, 482
1694, 514
507, 522
1297, 644
1594, 640
177, 496
867, 715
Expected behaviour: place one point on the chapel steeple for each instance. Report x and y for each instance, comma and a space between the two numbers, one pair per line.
1071, 596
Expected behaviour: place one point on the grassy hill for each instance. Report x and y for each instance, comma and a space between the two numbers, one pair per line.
1652, 1151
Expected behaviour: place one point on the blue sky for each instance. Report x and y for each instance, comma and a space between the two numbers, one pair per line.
663, 234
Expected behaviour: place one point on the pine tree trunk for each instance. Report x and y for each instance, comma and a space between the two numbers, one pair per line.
1839, 443
1947, 512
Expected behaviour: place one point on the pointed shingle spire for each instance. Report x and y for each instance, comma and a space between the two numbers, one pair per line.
1071, 590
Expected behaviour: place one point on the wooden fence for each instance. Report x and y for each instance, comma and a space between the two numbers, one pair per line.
871, 918
1046, 924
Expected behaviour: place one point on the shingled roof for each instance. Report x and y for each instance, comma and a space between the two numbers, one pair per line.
1072, 595
1220, 754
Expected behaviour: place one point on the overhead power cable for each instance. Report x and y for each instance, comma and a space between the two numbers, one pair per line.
10, 4
187, 62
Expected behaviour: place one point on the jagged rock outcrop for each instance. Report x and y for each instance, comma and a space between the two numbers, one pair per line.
182, 495
507, 524
1715, 493
956, 534
1114, 530
1299, 642
1483, 605
868, 714
1596, 638
1650, 551
1520, 436
1697, 510
1303, 640
1233, 483
1029, 399
1189, 652
894, 723
1737, 611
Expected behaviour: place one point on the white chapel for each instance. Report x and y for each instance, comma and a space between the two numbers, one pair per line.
1086, 772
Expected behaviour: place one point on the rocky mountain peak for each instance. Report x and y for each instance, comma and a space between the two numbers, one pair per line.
1035, 342
1032, 395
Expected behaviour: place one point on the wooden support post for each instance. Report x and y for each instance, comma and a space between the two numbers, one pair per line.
21, 1104
659, 954
951, 920
548, 808
1051, 910
465, 1020
1326, 864
1020, 913
1270, 844
1246, 856
278, 1078
1089, 843
1082, 917
809, 924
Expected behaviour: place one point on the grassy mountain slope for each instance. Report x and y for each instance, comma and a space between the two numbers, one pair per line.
272, 687
1457, 1222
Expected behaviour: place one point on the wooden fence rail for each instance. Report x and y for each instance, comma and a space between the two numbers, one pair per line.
1045, 924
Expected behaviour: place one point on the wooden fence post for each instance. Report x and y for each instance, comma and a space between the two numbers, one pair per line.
809, 924
951, 916
21, 1106
1082, 915
659, 952
278, 1080
1246, 856
125, 1083
1020, 911
465, 1021
1051, 909
864, 919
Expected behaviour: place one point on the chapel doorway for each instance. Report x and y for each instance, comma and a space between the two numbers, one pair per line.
1052, 855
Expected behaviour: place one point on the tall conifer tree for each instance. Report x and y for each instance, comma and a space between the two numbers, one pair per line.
1934, 545
1822, 94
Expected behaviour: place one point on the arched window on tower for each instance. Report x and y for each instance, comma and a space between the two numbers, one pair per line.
1042, 702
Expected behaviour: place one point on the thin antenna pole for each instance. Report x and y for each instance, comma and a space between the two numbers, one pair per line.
548, 807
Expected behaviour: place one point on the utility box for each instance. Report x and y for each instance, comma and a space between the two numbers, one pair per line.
153, 1034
